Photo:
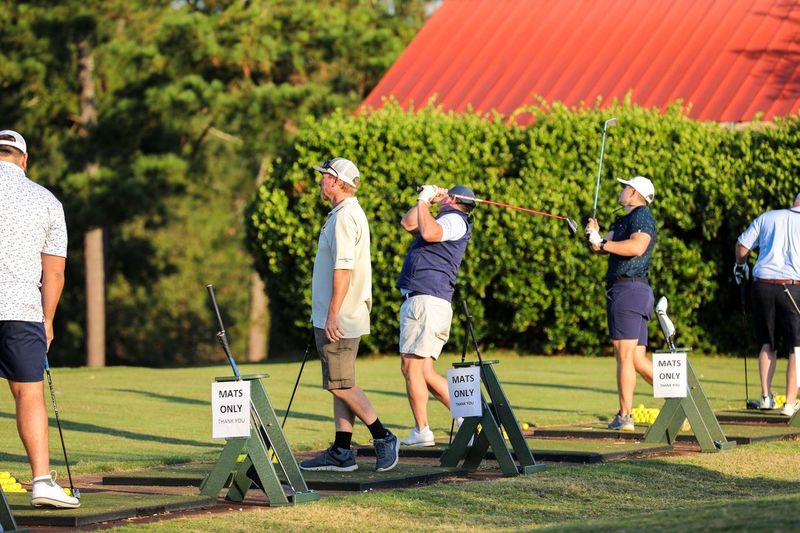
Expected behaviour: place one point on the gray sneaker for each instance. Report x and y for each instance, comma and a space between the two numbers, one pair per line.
334, 459
387, 452
622, 423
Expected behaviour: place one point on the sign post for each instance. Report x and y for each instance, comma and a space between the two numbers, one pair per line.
494, 418
692, 404
244, 398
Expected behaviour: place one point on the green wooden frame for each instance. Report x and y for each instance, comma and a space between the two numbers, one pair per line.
496, 416
263, 452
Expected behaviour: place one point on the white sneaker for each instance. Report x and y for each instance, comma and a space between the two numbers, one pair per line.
422, 437
46, 492
790, 409
767, 402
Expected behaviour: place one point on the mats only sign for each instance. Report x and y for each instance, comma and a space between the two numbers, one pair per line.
464, 385
230, 409
669, 375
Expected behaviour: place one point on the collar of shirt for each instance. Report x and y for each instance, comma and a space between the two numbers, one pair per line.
348, 200
10, 170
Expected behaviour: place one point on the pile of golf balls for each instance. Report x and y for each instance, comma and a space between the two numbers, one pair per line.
644, 415
780, 399
9, 483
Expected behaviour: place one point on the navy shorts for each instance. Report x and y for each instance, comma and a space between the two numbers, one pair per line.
23, 347
776, 320
629, 305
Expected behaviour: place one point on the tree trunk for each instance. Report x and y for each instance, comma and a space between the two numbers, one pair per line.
258, 329
94, 254
95, 299
259, 318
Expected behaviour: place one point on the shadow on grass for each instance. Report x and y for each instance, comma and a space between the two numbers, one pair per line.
157, 396
92, 428
560, 386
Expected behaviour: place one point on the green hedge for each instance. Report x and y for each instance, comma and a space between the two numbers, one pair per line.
528, 282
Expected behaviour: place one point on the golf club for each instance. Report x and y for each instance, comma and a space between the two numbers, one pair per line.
791, 299
297, 382
573, 226
75, 493
667, 327
221, 336
608, 123
748, 403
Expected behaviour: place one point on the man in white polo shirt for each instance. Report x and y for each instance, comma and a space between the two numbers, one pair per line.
33, 250
341, 295
776, 295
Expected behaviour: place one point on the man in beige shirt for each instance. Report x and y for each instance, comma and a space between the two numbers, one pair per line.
341, 296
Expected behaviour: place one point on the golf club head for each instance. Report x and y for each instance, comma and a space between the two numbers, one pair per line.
752, 404
573, 226
610, 123
75, 493
667, 327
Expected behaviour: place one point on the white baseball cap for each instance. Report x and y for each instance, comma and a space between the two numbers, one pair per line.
641, 185
12, 138
341, 168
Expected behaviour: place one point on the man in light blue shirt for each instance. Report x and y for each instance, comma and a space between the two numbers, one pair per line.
776, 293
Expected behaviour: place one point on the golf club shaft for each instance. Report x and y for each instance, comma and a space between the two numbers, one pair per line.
743, 304
609, 122
58, 423
509, 206
297, 382
791, 299
221, 336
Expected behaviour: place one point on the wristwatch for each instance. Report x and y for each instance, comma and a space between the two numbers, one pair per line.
603, 244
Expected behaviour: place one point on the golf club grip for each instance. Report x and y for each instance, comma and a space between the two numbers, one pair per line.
221, 336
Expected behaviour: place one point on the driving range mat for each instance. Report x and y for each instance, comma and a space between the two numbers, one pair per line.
364, 478
738, 433
568, 450
750, 416
102, 507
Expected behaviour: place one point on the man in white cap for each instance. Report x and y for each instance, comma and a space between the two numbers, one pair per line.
33, 250
629, 298
776, 296
341, 296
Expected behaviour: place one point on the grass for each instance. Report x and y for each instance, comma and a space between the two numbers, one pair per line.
124, 418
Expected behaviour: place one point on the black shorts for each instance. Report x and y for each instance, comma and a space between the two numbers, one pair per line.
776, 319
23, 347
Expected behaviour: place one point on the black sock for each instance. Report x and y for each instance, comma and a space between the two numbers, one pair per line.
377, 430
343, 440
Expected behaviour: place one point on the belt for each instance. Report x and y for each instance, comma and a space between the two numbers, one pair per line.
779, 281
412, 294
626, 279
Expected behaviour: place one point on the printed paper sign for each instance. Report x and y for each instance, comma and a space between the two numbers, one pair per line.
464, 385
230, 409
669, 375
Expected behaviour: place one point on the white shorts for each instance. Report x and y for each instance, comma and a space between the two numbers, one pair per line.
424, 325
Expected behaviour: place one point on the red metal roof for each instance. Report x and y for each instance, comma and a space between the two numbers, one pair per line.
728, 59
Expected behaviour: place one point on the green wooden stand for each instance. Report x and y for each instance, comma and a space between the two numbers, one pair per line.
7, 522
496, 416
696, 409
265, 442
795, 420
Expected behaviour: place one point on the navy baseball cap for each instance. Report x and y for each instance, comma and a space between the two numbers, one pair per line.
461, 190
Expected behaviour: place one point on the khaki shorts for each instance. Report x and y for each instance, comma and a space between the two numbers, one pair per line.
338, 360
424, 325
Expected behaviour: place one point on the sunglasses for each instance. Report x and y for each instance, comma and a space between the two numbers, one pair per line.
326, 165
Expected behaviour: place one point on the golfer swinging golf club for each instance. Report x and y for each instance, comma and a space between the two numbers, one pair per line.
427, 282
776, 294
33, 251
341, 295
629, 298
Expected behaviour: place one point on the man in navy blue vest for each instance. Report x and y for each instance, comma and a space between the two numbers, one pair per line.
427, 283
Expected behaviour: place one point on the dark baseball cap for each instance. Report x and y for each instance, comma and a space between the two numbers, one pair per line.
461, 190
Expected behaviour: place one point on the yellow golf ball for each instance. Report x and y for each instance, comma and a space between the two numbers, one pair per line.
525, 426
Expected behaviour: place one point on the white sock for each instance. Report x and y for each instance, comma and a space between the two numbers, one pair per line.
46, 478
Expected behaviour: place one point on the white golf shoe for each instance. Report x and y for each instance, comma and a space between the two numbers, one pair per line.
767, 402
790, 409
48, 493
420, 437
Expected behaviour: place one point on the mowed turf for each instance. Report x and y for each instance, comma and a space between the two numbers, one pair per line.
126, 418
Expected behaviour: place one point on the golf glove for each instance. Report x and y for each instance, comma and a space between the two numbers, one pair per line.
741, 273
427, 193
595, 238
